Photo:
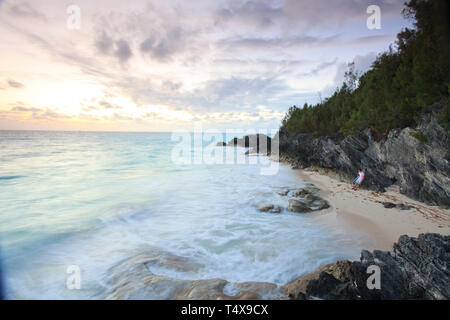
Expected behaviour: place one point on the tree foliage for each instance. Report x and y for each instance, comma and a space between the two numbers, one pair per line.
399, 85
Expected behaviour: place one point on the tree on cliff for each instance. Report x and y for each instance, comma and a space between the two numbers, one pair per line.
401, 83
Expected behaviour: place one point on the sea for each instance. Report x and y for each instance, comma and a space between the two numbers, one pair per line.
88, 200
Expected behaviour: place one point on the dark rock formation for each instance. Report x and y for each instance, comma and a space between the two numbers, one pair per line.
401, 206
420, 169
417, 268
283, 192
258, 143
388, 205
270, 208
306, 199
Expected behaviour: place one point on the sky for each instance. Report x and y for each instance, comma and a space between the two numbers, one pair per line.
167, 65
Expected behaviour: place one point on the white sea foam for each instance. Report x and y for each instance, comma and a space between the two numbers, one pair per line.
104, 198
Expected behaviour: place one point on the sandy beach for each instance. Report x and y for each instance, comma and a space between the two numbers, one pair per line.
363, 210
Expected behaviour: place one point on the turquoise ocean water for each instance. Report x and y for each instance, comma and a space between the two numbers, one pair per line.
93, 199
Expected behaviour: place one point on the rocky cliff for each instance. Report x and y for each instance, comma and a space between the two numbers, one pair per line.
417, 160
417, 268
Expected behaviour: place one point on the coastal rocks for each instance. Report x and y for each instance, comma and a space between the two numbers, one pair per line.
283, 192
298, 205
417, 268
270, 208
401, 206
309, 190
133, 279
420, 168
306, 200
388, 205
257, 143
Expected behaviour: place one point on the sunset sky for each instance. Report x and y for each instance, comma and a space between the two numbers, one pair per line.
164, 65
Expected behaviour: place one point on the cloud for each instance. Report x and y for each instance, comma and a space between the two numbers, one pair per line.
203, 58
172, 85
123, 50
25, 109
370, 40
39, 114
119, 49
337, 12
61, 50
267, 43
362, 64
90, 108
25, 10
104, 43
105, 104
15, 84
235, 93
164, 44
300, 13
262, 13
316, 70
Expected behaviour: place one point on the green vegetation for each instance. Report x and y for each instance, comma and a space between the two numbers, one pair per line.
419, 136
401, 83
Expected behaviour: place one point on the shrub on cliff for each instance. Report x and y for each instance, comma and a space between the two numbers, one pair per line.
398, 87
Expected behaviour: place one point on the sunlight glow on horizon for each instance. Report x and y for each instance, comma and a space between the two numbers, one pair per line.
152, 66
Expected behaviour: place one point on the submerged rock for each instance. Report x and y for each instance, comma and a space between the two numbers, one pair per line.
283, 192
417, 268
276, 209
133, 278
266, 208
270, 208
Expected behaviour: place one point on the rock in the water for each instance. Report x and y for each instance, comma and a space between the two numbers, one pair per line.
257, 143
308, 190
307, 199
134, 279
270, 208
283, 192
276, 209
298, 205
266, 208
417, 268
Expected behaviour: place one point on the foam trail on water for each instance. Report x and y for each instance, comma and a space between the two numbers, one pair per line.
95, 199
